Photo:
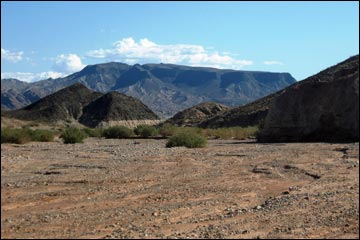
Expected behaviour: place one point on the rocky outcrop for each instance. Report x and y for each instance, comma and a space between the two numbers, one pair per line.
324, 107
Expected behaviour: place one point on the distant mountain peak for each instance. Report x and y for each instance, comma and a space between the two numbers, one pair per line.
165, 88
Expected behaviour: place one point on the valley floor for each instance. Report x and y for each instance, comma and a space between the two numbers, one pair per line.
109, 188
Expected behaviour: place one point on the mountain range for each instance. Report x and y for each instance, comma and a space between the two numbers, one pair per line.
164, 88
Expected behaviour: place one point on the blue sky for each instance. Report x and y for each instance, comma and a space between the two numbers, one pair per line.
52, 39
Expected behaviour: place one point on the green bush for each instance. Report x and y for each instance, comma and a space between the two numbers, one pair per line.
168, 130
73, 135
238, 133
41, 135
117, 132
187, 139
246, 132
93, 132
25, 134
146, 131
12, 135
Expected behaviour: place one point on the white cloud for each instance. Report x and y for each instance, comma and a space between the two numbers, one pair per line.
272, 62
68, 63
31, 77
11, 56
146, 51
63, 65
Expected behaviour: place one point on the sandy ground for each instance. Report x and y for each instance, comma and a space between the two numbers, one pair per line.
108, 188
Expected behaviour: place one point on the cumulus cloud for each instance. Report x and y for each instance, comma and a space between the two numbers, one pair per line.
31, 77
11, 56
63, 65
68, 63
272, 62
146, 51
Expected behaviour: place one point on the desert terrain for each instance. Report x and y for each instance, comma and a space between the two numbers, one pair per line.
137, 188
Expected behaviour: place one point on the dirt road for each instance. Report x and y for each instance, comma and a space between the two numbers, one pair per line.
108, 188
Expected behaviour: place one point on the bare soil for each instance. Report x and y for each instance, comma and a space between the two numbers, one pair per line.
108, 188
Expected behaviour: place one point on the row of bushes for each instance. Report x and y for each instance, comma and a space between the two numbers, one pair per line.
168, 130
24, 135
178, 136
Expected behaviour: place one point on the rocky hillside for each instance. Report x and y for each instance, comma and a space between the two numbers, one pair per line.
323, 107
165, 88
77, 103
194, 115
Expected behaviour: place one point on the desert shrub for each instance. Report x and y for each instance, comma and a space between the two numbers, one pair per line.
41, 135
243, 133
195, 130
73, 135
117, 132
167, 130
222, 133
231, 133
14, 135
187, 139
93, 132
146, 131
25, 134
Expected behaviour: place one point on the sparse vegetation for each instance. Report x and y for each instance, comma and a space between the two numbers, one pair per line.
187, 139
93, 132
14, 135
167, 130
41, 135
73, 135
117, 132
238, 133
146, 131
24, 135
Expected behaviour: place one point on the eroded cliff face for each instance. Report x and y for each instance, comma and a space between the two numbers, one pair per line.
323, 107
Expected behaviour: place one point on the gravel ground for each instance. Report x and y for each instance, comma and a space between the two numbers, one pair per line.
109, 188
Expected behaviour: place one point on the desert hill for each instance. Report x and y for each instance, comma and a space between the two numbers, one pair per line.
77, 103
